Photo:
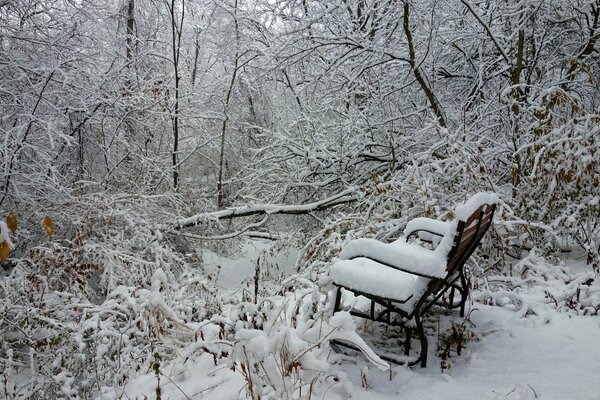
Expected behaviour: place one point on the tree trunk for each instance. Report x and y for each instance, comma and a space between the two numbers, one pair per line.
433, 101
130, 34
226, 106
176, 29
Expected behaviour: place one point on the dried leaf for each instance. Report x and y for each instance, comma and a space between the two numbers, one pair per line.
79, 240
11, 222
4, 251
48, 226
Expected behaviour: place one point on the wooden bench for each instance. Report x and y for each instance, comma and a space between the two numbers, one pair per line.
403, 280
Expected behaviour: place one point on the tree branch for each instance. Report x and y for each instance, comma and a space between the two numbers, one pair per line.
347, 196
227, 235
433, 101
487, 30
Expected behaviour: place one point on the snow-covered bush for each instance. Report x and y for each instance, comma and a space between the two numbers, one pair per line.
558, 180
280, 345
83, 314
570, 289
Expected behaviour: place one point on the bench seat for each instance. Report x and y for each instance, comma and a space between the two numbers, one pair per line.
367, 276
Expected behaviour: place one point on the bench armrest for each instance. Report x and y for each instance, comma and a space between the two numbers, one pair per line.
426, 228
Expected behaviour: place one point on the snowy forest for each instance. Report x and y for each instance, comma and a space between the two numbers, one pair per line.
179, 176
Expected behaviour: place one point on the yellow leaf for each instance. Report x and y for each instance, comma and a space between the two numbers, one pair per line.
11, 222
48, 226
4, 251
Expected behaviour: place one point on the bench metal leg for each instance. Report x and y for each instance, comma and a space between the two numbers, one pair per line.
422, 339
407, 333
463, 294
338, 299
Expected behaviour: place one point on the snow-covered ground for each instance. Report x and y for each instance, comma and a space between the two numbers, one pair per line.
232, 271
549, 357
524, 349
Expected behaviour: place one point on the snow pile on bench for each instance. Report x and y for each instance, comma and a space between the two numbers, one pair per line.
365, 275
464, 211
427, 229
409, 257
362, 261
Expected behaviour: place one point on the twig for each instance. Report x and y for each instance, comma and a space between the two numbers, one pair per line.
533, 390
177, 386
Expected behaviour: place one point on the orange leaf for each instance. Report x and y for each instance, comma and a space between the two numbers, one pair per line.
48, 226
11, 222
4, 251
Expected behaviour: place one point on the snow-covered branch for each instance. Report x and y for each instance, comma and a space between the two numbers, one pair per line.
344, 197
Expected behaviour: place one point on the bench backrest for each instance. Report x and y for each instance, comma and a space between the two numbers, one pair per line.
468, 236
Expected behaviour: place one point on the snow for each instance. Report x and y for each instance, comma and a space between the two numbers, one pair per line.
369, 276
200, 380
231, 271
408, 256
343, 319
464, 211
516, 358
428, 225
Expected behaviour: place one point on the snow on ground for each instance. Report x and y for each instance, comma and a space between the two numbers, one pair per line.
516, 358
232, 271
523, 351
201, 380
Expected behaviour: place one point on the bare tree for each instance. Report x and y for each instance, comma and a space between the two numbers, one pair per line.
176, 24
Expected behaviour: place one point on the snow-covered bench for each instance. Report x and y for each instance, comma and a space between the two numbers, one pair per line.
405, 279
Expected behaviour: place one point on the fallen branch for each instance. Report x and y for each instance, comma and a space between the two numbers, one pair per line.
261, 235
228, 235
347, 196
